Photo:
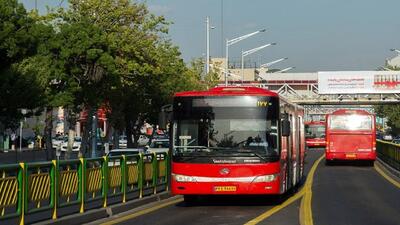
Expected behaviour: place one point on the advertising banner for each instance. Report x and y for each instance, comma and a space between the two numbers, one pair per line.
359, 82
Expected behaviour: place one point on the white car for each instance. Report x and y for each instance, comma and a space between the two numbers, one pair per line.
387, 137
159, 145
57, 141
119, 152
143, 140
76, 147
122, 142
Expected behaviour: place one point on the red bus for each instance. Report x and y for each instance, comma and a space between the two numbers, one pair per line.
350, 135
235, 140
315, 134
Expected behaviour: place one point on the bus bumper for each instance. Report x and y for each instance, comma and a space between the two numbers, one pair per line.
228, 188
350, 155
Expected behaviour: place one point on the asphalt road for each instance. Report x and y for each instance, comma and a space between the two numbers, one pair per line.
348, 193
223, 210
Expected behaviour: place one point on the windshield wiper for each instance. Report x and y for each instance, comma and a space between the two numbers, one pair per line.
196, 148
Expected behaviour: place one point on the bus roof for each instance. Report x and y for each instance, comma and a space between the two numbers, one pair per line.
229, 91
350, 111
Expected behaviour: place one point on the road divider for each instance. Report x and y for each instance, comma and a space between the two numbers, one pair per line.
28, 188
386, 176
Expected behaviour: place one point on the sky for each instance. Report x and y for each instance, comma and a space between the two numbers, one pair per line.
316, 35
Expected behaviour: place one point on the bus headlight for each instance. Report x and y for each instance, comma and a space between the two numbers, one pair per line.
183, 178
265, 178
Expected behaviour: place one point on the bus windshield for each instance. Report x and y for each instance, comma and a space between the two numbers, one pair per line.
315, 130
226, 125
350, 122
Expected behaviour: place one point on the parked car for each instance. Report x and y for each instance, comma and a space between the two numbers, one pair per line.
143, 140
158, 145
76, 147
122, 142
57, 141
119, 152
387, 137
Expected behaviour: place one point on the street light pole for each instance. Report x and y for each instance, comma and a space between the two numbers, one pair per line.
251, 51
23, 111
273, 62
208, 27
284, 70
207, 45
234, 41
395, 50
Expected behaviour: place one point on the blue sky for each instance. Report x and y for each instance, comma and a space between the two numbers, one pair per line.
316, 35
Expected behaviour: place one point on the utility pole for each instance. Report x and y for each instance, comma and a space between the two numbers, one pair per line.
207, 45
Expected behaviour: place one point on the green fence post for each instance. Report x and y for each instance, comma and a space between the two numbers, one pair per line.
21, 194
140, 183
124, 178
105, 179
82, 189
54, 188
155, 172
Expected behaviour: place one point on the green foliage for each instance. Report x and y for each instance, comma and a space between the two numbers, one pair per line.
93, 53
391, 112
17, 40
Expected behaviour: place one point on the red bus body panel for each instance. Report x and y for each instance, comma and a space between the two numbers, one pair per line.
351, 145
236, 171
279, 168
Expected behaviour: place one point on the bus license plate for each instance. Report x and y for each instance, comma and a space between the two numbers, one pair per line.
224, 188
350, 155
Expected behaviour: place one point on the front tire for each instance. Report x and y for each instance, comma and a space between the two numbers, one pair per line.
328, 162
190, 199
370, 163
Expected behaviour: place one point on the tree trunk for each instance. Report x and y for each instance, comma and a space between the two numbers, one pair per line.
48, 133
71, 133
128, 131
116, 138
86, 134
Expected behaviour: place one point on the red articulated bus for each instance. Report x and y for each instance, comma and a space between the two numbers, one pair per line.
350, 135
315, 134
235, 140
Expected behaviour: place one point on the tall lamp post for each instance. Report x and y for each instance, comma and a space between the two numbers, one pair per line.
24, 112
234, 41
251, 51
273, 62
395, 50
208, 44
284, 70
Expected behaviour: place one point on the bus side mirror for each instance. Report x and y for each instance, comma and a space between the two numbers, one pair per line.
285, 128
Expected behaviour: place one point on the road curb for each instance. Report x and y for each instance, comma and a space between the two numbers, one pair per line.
388, 168
97, 214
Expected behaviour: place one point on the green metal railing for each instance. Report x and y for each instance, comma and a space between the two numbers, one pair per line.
389, 153
28, 188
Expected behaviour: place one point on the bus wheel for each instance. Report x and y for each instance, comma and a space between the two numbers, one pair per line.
190, 199
328, 162
370, 163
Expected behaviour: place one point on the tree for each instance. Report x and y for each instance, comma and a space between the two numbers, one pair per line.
17, 40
